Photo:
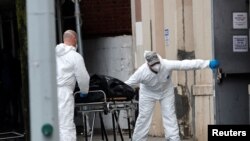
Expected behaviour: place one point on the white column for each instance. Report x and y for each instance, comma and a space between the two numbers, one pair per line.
42, 70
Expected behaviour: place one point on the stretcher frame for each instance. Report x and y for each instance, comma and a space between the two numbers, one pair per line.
15, 135
108, 105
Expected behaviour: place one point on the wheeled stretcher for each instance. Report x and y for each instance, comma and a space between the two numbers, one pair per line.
104, 104
106, 107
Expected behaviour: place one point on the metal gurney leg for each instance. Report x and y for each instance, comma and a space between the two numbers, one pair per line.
128, 120
100, 107
115, 108
104, 133
115, 117
85, 126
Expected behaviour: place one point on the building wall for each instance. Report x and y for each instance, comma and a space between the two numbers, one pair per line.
190, 38
106, 17
203, 90
109, 56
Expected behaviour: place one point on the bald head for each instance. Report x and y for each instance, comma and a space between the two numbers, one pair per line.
70, 38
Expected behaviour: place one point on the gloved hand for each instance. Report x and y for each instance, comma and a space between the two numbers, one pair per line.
213, 64
82, 95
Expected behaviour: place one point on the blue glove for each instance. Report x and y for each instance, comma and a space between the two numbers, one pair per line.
213, 64
82, 95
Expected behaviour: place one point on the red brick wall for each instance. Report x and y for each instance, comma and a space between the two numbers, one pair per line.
106, 17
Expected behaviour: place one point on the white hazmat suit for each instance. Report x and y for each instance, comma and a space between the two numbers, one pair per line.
70, 68
158, 87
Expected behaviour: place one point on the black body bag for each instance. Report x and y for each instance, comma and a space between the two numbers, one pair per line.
113, 88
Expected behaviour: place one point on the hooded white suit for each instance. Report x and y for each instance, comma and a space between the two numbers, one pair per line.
70, 68
158, 87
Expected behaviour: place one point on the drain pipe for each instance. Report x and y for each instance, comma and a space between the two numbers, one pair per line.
42, 70
59, 20
78, 26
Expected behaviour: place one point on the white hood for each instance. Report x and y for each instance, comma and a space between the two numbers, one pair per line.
146, 51
63, 49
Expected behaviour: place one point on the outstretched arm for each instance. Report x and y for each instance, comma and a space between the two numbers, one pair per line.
187, 64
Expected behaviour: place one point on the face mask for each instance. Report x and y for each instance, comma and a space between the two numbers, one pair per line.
156, 67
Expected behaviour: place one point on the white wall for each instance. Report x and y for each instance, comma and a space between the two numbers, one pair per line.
109, 56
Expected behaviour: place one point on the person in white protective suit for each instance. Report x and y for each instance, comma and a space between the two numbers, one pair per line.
154, 78
70, 68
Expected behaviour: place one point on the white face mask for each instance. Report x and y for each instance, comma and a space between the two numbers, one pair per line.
156, 67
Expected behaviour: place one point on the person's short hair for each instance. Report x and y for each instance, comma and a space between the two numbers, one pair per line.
152, 58
69, 34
